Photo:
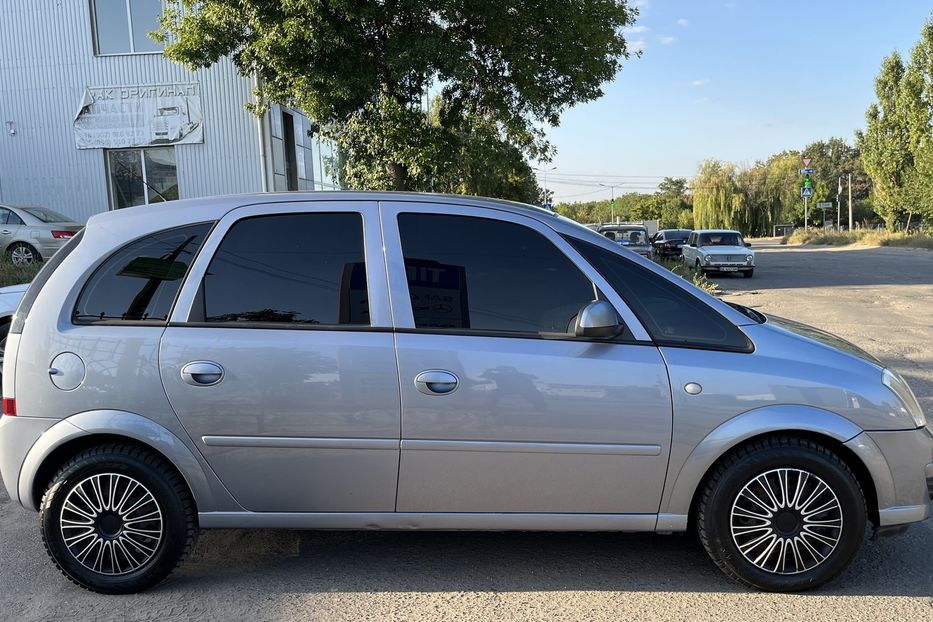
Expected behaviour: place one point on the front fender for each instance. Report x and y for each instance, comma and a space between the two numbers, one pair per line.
116, 423
683, 483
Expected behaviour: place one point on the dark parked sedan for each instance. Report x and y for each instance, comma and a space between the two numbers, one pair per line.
669, 242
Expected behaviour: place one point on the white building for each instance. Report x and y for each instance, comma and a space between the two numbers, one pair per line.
93, 117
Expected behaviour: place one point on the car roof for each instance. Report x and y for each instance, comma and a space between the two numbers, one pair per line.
717, 231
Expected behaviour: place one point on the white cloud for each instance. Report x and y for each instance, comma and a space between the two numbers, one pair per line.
701, 82
666, 40
641, 3
702, 100
636, 29
683, 22
637, 46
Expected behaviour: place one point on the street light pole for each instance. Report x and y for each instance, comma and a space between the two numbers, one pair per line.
612, 201
544, 172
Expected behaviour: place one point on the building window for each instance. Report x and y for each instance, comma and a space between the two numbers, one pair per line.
123, 26
141, 176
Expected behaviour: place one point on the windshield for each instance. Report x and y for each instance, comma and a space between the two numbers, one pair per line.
627, 236
724, 238
45, 215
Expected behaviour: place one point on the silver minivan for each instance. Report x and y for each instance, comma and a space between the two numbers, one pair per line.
341, 361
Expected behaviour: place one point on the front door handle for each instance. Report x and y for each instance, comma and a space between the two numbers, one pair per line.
6, 232
202, 373
437, 382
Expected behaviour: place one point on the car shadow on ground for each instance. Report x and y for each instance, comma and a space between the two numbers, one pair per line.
313, 562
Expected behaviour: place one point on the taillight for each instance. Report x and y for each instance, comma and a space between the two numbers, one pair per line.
9, 406
63, 235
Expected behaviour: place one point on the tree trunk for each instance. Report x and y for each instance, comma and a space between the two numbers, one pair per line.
399, 175
909, 216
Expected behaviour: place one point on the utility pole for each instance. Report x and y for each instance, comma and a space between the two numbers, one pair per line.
612, 201
544, 172
850, 201
839, 205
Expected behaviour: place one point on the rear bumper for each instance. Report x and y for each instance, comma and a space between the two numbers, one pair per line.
17, 437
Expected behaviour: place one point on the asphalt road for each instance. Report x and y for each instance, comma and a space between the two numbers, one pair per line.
878, 298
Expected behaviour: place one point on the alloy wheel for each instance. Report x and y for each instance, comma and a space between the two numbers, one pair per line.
786, 521
111, 524
22, 255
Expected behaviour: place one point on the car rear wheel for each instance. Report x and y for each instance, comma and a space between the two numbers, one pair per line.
117, 519
782, 514
22, 254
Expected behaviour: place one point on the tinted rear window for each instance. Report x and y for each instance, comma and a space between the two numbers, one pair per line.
140, 281
289, 268
670, 314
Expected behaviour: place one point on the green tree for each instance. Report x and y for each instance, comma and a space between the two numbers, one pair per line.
885, 143
361, 68
916, 102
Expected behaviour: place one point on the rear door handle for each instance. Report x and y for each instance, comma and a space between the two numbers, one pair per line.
436, 382
202, 373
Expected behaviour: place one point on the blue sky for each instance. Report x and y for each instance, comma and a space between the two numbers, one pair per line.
734, 80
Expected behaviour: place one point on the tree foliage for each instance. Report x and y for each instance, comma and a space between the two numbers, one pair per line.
897, 144
360, 68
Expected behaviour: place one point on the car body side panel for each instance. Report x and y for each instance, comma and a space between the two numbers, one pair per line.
208, 492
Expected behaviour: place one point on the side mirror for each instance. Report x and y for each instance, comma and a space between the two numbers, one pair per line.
598, 320
748, 245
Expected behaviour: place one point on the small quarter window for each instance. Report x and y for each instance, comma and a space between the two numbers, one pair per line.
671, 315
141, 280
289, 269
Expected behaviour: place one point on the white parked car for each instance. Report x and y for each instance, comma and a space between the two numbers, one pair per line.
719, 250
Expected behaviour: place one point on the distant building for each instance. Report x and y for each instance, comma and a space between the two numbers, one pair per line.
93, 117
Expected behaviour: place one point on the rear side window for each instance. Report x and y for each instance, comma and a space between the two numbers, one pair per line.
289, 269
671, 315
140, 281
481, 274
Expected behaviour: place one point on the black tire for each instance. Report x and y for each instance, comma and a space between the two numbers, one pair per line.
22, 254
748, 273
176, 522
720, 496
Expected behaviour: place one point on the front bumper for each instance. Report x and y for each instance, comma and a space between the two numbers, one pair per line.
908, 455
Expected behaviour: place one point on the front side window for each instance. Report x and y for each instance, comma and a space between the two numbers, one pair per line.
289, 269
142, 176
487, 275
140, 281
123, 26
671, 315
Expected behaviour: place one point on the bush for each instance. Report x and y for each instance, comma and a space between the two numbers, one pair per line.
680, 269
864, 237
14, 275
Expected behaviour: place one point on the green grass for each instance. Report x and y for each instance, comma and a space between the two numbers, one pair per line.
862, 237
680, 269
13, 275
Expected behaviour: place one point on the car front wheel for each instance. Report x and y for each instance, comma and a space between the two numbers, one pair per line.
782, 514
117, 519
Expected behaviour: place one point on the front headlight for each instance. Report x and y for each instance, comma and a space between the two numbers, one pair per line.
909, 403
749, 259
707, 260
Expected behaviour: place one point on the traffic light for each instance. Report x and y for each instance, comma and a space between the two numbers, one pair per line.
807, 183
